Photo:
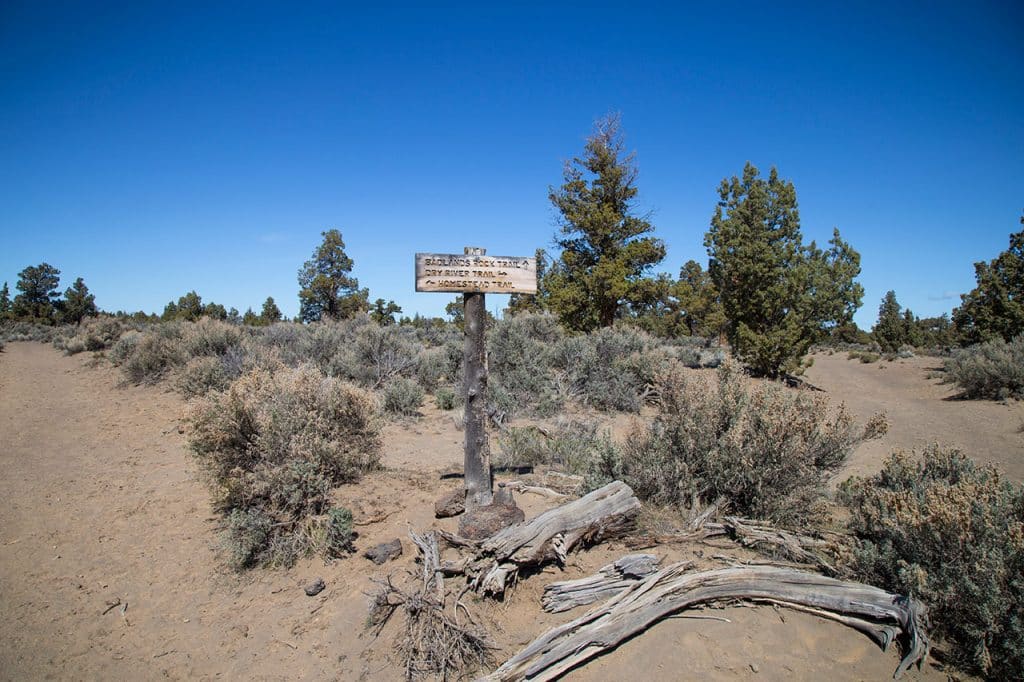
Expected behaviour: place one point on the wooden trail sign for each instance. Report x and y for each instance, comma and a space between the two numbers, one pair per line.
476, 272
473, 274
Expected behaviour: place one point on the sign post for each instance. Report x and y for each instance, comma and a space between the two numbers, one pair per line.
473, 274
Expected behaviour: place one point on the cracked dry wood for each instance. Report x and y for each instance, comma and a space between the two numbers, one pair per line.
879, 614
604, 513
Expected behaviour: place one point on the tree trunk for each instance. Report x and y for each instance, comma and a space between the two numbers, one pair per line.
478, 477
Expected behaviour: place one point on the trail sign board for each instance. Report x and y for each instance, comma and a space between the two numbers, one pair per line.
476, 273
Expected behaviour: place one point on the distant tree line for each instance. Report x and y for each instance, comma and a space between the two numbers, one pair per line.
764, 290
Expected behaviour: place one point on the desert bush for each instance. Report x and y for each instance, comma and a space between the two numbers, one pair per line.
124, 347
402, 397
274, 444
992, 370
767, 451
432, 368
570, 443
951, 533
866, 357
210, 337
153, 355
604, 369
201, 375
28, 331
383, 354
445, 398
519, 364
94, 334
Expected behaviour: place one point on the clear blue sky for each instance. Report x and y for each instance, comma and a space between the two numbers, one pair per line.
154, 148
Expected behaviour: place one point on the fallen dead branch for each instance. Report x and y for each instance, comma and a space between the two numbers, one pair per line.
434, 641
610, 580
879, 614
604, 513
802, 549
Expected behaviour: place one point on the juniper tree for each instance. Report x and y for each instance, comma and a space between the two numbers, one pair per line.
270, 312
327, 288
38, 287
778, 295
533, 303
698, 301
383, 312
78, 303
5, 302
995, 307
605, 247
890, 331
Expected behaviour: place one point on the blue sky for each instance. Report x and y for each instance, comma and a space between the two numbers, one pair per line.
154, 148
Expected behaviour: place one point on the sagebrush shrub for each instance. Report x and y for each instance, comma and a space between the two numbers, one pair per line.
607, 369
445, 398
124, 347
403, 397
992, 370
951, 533
274, 444
519, 363
152, 356
210, 337
201, 375
766, 450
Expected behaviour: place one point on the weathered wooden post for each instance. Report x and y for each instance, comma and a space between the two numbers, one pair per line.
473, 274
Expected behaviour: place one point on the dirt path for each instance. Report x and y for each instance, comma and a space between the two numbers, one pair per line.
102, 504
920, 411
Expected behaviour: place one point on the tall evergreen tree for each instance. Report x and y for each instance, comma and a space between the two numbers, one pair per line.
327, 288
270, 313
79, 303
38, 287
605, 248
533, 303
890, 332
383, 312
698, 301
5, 302
995, 307
778, 295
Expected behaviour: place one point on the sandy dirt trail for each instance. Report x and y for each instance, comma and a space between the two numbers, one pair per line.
102, 504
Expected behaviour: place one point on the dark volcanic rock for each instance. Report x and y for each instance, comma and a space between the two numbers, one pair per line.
315, 587
451, 504
483, 522
385, 551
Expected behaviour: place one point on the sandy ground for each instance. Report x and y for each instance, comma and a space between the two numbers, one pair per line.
102, 505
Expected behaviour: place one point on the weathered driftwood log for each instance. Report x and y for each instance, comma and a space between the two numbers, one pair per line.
802, 549
610, 580
879, 614
605, 513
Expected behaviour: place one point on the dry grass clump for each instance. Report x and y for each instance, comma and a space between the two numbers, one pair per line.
992, 370
765, 450
275, 444
951, 533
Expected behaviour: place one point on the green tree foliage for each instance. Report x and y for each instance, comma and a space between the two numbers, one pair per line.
190, 308
935, 332
78, 303
778, 295
270, 313
327, 288
38, 287
533, 303
5, 302
890, 332
383, 312
605, 251
698, 302
995, 307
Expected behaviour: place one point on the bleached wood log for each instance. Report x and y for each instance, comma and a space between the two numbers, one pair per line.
604, 513
610, 580
878, 613
793, 546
